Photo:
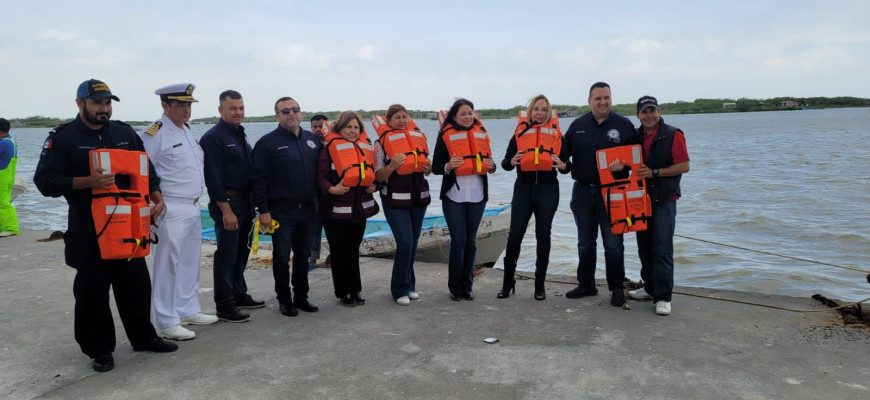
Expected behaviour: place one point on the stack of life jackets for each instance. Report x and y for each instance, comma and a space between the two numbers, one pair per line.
538, 142
122, 218
406, 187
354, 162
472, 146
626, 200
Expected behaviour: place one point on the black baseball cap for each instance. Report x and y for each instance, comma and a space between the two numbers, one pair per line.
95, 89
646, 101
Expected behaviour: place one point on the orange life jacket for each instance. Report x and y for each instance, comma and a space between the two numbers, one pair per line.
472, 146
354, 162
410, 142
626, 200
538, 142
122, 218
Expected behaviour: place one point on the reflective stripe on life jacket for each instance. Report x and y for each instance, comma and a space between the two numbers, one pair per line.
410, 142
625, 200
539, 142
472, 146
122, 218
354, 162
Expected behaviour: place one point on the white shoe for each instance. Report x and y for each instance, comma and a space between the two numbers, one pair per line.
639, 294
176, 332
6, 234
414, 296
199, 319
403, 301
663, 307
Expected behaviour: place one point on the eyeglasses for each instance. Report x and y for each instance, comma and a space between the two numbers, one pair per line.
287, 111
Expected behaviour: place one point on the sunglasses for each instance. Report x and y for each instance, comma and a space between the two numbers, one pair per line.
287, 111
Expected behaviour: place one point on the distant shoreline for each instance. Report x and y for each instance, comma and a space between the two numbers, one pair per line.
699, 106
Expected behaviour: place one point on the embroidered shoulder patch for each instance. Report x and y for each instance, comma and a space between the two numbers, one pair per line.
152, 130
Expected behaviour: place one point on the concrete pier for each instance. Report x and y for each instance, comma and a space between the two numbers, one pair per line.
434, 348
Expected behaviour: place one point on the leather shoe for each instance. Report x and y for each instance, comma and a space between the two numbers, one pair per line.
157, 345
246, 301
579, 292
468, 296
305, 305
104, 363
288, 309
348, 301
617, 298
455, 296
233, 315
359, 299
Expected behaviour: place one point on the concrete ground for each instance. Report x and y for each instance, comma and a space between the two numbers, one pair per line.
433, 349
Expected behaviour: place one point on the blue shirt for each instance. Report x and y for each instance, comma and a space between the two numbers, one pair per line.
7, 151
585, 136
227, 159
285, 168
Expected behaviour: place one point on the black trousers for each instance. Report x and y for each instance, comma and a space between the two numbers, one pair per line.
344, 240
94, 326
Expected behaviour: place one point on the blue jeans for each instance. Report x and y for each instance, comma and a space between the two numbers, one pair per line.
463, 219
655, 248
587, 205
295, 231
406, 224
542, 201
231, 256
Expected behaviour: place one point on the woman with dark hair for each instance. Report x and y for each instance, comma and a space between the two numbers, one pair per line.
463, 157
401, 156
534, 150
345, 176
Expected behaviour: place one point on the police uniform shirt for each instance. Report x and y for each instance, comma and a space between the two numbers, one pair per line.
177, 158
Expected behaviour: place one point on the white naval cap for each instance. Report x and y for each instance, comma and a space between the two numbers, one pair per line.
178, 92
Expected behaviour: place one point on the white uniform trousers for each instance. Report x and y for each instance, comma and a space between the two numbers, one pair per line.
176, 262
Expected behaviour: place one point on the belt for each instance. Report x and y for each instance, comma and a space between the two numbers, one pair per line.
590, 184
183, 200
234, 192
291, 205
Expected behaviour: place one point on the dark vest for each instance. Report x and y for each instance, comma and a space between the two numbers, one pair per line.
668, 187
406, 191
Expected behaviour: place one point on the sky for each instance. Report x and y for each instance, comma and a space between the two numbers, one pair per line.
339, 55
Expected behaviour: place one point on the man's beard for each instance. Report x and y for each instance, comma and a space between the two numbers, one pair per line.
94, 120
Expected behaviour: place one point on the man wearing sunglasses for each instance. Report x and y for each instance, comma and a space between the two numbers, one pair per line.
284, 184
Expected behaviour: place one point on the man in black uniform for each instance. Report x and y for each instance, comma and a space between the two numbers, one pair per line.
64, 170
285, 176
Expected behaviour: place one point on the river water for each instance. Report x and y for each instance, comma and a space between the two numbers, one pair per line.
790, 182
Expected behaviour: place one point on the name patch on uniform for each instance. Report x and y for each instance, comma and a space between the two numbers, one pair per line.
282, 147
152, 130
176, 145
311, 144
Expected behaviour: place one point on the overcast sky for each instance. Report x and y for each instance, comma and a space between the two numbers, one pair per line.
336, 55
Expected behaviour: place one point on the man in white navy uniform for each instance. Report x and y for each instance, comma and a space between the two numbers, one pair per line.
177, 159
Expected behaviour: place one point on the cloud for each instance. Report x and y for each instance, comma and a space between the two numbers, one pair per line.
300, 56
55, 34
367, 52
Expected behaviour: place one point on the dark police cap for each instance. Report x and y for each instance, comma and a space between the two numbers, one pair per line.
95, 89
645, 102
177, 92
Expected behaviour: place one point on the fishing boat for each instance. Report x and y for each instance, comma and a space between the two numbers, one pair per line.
434, 243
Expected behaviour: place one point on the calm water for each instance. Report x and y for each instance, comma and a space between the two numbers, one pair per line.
791, 182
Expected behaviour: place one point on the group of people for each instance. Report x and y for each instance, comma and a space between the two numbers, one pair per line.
294, 182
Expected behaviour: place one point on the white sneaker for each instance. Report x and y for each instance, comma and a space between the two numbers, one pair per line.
176, 332
6, 234
199, 319
414, 296
639, 294
403, 301
663, 307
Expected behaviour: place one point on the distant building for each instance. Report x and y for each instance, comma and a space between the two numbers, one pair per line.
788, 104
432, 115
729, 105
567, 114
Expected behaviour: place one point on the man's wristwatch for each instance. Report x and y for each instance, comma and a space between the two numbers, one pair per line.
655, 173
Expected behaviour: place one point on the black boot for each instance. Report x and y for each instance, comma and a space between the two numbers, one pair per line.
540, 278
509, 284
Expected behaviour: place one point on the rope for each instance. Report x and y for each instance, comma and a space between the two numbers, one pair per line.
703, 296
